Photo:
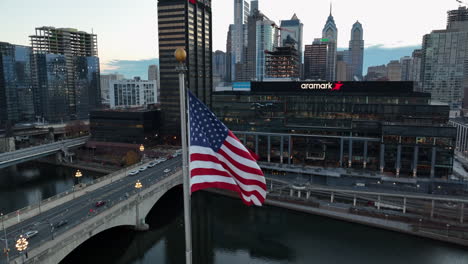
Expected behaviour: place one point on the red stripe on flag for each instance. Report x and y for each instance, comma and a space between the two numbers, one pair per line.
211, 158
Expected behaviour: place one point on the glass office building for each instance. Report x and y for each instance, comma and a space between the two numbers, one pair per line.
377, 126
16, 98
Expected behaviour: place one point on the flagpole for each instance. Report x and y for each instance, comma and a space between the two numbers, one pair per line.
180, 57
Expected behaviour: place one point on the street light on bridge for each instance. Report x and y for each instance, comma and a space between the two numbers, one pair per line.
22, 245
142, 149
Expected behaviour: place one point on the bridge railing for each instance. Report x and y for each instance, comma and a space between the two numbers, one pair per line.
35, 209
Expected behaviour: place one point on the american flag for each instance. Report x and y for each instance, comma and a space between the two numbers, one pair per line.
219, 160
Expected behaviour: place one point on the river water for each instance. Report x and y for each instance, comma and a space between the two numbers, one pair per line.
227, 232
26, 183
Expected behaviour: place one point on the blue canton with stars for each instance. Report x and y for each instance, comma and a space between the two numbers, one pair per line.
205, 129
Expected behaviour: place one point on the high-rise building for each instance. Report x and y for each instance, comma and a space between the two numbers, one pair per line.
219, 67
153, 72
16, 96
267, 40
185, 24
105, 85
356, 52
330, 36
444, 65
229, 54
315, 60
376, 73
132, 93
250, 62
283, 63
241, 14
342, 66
153, 75
66, 75
405, 63
394, 71
416, 69
292, 29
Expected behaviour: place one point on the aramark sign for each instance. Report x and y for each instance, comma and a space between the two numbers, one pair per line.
322, 86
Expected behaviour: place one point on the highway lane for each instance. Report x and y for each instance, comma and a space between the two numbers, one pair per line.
77, 210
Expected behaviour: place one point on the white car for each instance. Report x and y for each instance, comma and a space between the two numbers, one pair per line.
163, 159
135, 172
152, 164
167, 170
30, 234
143, 168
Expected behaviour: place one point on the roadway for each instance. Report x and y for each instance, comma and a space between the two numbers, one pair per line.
79, 208
22, 155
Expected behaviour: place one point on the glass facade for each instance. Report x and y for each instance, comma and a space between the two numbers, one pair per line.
16, 98
65, 72
363, 126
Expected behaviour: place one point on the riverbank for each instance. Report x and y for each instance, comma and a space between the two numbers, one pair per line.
343, 214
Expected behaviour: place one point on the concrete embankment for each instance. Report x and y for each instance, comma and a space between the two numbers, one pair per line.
342, 214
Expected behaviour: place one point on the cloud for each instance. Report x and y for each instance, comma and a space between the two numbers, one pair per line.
129, 68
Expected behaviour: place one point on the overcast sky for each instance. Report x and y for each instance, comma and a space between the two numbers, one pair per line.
127, 29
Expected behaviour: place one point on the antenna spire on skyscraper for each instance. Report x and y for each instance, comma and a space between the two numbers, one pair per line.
330, 8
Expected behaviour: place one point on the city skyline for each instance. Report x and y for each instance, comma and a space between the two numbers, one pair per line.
382, 29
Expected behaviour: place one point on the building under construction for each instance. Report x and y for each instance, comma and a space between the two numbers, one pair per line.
65, 73
283, 62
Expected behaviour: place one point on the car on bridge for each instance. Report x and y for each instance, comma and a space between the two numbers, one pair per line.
133, 173
30, 234
61, 223
100, 203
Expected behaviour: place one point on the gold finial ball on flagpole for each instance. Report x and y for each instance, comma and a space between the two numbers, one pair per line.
180, 55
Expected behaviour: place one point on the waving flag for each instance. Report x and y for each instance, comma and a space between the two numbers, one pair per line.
219, 160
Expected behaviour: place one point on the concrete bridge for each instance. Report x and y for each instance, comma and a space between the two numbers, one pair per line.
124, 205
22, 155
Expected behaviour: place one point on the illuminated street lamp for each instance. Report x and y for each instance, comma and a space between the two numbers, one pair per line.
138, 185
6, 249
142, 149
78, 175
22, 245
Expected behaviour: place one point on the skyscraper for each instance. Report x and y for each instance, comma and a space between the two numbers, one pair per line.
219, 67
153, 75
444, 65
292, 29
241, 14
66, 75
405, 63
185, 24
356, 52
342, 66
153, 72
267, 40
315, 60
416, 57
394, 71
330, 35
229, 54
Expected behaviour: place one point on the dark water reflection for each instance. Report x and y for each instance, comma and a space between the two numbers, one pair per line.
26, 183
225, 231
